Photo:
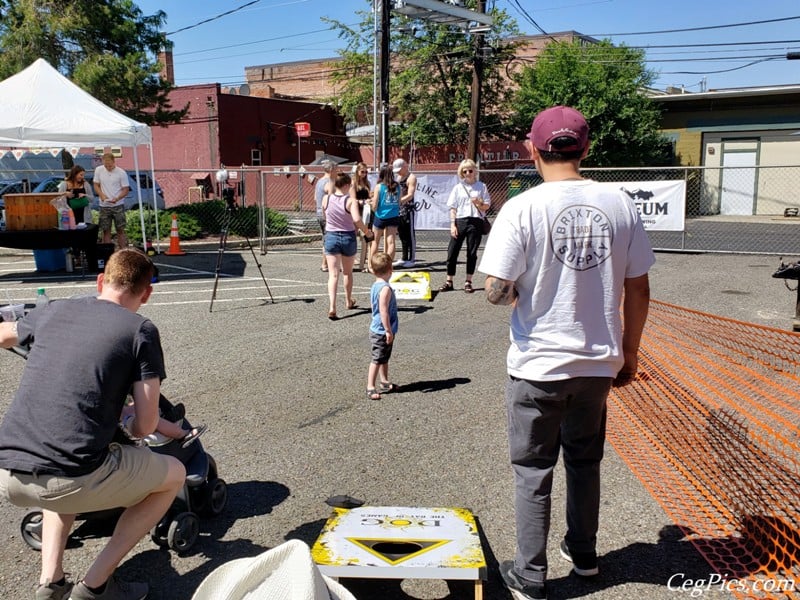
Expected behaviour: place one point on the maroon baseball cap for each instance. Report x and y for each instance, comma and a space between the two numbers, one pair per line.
559, 122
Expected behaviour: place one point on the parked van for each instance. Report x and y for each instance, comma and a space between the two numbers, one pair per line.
51, 184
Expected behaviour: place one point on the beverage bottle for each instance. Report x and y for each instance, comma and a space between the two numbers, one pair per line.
41, 298
64, 220
69, 265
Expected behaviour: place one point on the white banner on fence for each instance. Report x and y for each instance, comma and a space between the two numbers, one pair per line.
431, 201
661, 204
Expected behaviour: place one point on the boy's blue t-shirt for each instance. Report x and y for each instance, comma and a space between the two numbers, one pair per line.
377, 325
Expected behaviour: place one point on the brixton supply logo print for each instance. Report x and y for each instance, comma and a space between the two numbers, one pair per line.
581, 237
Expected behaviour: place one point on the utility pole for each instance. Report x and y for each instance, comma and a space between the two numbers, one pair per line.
384, 68
473, 150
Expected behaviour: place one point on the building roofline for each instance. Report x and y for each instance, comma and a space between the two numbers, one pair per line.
775, 90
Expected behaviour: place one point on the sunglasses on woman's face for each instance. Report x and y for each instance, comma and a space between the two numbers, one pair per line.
465, 171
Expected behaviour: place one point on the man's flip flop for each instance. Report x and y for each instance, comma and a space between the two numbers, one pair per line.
193, 435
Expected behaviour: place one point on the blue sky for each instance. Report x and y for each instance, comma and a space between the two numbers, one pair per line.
272, 31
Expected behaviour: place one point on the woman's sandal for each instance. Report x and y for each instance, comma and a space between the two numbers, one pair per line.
352, 305
192, 436
447, 286
388, 388
468, 287
332, 315
373, 394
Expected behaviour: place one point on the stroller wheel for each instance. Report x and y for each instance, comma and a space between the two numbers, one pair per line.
217, 497
210, 499
159, 533
31, 529
183, 532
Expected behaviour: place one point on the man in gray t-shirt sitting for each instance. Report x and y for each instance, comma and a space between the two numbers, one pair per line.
56, 448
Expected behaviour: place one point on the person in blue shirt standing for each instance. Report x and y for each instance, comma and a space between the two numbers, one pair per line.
382, 328
385, 204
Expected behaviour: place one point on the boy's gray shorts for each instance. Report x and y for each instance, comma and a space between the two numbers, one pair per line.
381, 351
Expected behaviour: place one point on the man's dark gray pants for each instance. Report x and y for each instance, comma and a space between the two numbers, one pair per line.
544, 416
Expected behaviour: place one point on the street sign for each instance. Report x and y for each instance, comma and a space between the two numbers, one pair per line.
303, 129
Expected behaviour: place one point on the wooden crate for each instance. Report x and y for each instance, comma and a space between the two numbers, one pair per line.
30, 211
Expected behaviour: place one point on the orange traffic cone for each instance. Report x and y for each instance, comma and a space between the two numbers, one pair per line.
174, 239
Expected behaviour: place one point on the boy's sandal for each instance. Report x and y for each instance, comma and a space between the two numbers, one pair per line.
468, 287
373, 394
388, 388
447, 286
193, 435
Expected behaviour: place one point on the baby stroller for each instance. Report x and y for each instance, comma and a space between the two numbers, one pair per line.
203, 494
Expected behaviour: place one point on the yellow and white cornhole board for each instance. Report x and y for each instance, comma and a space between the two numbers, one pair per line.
390, 542
411, 285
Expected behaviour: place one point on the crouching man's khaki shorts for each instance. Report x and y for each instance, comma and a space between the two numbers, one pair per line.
127, 476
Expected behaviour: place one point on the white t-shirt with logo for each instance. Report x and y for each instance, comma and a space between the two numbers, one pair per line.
568, 246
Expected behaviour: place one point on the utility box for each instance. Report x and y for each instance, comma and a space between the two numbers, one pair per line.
31, 211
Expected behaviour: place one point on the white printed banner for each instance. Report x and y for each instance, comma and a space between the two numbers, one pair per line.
431, 201
661, 204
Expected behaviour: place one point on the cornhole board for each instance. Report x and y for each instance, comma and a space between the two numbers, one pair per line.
396, 542
411, 285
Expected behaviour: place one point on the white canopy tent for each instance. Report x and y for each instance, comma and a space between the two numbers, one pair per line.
39, 107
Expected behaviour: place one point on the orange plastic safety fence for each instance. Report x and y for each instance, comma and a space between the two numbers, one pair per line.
711, 426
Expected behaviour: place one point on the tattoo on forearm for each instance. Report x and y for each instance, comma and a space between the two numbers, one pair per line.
499, 291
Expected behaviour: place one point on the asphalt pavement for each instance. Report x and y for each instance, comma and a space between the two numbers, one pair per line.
282, 390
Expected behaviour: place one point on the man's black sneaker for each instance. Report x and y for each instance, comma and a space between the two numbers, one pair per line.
521, 589
583, 563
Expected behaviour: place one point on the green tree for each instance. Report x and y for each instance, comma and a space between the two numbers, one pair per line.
107, 47
607, 84
430, 80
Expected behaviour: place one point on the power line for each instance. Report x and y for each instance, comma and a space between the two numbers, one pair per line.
755, 62
274, 39
695, 28
214, 18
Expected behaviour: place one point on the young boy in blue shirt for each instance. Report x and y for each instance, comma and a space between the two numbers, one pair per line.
383, 327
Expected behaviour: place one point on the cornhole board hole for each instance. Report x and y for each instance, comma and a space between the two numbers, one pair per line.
411, 285
391, 542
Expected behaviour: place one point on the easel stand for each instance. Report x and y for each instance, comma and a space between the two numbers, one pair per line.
230, 208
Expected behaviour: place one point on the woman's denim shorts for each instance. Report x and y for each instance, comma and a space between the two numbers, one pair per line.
341, 242
378, 223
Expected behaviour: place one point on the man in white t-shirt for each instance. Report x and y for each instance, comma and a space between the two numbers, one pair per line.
562, 254
111, 186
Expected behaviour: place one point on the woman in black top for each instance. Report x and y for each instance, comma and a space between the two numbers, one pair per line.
79, 194
360, 191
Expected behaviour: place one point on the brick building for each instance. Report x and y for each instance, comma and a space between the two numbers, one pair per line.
310, 79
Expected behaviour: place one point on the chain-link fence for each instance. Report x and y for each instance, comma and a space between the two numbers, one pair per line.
727, 209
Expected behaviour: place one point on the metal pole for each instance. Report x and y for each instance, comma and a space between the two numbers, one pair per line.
477, 81
375, 78
385, 21
299, 176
